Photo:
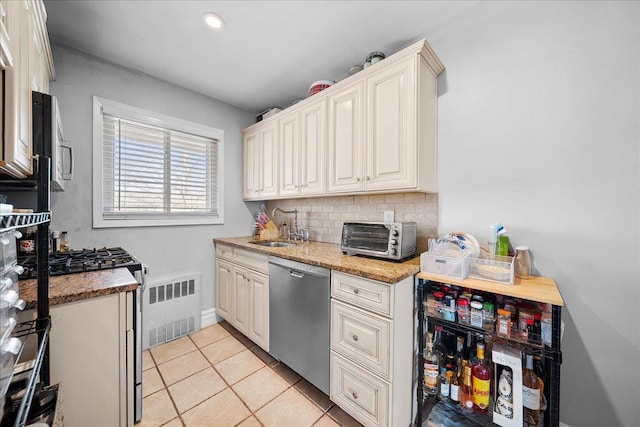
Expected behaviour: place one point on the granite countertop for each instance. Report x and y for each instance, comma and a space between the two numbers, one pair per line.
330, 256
80, 286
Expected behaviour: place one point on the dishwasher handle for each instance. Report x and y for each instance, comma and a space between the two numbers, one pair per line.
296, 274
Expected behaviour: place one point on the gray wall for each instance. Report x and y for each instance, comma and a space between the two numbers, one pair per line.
538, 128
167, 250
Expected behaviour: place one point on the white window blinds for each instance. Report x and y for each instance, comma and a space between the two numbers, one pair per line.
154, 172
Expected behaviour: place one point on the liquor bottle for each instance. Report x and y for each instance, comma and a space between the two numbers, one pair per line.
466, 392
530, 393
481, 382
430, 369
438, 346
443, 380
454, 384
459, 351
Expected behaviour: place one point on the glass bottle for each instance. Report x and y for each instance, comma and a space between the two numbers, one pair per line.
430, 369
466, 392
530, 393
443, 379
454, 384
522, 262
438, 346
64, 242
481, 381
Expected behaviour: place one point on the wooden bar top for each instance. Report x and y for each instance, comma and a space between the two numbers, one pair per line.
330, 256
540, 289
80, 286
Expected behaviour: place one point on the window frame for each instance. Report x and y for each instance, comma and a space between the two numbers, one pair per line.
101, 106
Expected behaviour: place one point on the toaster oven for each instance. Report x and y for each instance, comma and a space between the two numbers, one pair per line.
395, 241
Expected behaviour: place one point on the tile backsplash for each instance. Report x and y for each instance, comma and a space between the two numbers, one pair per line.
323, 216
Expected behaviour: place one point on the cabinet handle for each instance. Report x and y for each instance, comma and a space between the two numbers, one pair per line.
368, 178
356, 291
355, 338
358, 179
354, 394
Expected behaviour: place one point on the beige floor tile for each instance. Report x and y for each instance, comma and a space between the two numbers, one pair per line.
165, 352
152, 382
147, 360
157, 409
209, 335
223, 409
250, 422
260, 387
173, 423
182, 367
326, 421
196, 389
223, 349
291, 408
239, 366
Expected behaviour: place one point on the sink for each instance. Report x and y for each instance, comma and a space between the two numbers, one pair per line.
273, 244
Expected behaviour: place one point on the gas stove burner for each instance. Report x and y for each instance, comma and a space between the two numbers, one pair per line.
79, 261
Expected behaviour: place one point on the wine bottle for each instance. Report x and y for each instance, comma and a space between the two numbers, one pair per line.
530, 394
481, 382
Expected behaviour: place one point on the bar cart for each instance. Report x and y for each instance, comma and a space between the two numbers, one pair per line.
543, 344
24, 385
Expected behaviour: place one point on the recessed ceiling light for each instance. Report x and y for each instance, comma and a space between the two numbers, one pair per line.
213, 20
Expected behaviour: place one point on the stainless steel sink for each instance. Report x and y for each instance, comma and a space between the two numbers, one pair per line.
273, 244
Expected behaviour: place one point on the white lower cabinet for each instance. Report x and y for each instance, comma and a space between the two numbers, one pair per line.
242, 291
372, 349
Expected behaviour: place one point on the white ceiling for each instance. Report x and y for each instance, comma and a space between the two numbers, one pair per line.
268, 53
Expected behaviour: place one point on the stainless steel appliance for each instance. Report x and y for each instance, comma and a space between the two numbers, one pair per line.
299, 318
396, 240
78, 261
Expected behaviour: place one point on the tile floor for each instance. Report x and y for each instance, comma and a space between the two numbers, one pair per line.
218, 377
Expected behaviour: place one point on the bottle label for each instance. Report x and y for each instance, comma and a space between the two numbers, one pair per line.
481, 392
431, 375
531, 398
455, 392
444, 389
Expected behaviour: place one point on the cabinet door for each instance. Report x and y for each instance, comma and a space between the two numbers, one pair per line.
289, 148
391, 127
269, 159
241, 299
252, 165
224, 290
346, 132
6, 56
259, 323
313, 153
17, 108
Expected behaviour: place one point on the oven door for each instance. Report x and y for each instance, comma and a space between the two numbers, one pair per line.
365, 238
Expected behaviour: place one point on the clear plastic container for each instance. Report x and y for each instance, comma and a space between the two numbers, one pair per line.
522, 262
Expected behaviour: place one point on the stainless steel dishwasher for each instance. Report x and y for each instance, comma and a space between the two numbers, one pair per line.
299, 318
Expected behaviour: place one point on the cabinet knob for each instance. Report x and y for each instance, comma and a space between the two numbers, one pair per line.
358, 179
356, 291
354, 394
368, 178
355, 338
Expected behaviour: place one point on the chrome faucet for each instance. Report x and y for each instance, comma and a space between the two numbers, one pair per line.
295, 233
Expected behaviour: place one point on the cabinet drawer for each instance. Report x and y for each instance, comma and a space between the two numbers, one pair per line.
224, 251
368, 294
362, 337
362, 395
252, 260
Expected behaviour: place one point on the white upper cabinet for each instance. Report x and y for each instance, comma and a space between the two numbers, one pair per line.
25, 55
302, 151
380, 131
346, 139
260, 162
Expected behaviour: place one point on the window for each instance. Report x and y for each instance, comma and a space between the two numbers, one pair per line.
150, 169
